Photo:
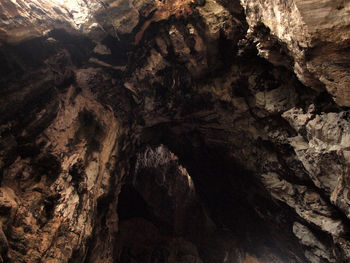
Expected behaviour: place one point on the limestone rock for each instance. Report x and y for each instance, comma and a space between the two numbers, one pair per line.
315, 34
307, 238
164, 131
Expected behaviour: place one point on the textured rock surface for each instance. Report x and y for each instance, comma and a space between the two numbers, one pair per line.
174, 131
314, 34
25, 19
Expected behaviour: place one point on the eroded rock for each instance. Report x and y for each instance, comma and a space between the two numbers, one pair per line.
315, 35
162, 131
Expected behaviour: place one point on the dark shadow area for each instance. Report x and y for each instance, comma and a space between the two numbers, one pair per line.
131, 204
243, 212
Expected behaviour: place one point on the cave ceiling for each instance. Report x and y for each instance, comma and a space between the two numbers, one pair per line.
189, 131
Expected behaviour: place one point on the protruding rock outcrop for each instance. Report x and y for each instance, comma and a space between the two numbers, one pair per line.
315, 35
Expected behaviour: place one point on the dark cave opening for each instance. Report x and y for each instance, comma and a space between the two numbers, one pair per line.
237, 200
243, 212
131, 204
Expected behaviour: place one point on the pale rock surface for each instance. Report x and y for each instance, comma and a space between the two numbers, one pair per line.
323, 146
316, 36
317, 249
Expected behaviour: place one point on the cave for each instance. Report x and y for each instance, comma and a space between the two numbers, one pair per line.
164, 131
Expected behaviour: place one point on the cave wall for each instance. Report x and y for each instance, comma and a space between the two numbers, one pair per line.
316, 36
174, 131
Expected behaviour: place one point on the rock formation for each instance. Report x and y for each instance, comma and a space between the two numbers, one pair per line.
206, 131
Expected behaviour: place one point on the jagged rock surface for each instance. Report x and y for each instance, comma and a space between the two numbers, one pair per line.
163, 131
313, 33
